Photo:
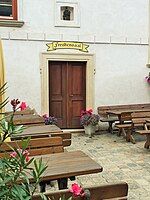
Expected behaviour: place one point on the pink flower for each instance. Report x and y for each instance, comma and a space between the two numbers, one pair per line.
27, 158
86, 112
90, 110
45, 116
13, 154
25, 153
77, 190
23, 106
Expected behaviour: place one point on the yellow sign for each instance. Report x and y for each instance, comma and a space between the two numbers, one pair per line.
68, 45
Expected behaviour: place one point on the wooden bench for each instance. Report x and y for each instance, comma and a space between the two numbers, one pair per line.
110, 118
28, 120
66, 137
118, 191
140, 120
147, 133
44, 131
36, 146
27, 111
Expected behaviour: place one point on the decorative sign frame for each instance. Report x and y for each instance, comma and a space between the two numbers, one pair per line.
68, 45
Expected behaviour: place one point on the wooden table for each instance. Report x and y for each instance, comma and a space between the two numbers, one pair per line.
129, 111
38, 130
61, 166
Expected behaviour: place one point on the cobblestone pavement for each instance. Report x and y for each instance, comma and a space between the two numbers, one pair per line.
121, 161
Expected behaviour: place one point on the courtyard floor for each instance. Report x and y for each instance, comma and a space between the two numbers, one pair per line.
121, 161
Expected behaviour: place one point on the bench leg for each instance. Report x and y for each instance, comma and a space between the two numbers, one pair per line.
147, 143
62, 183
119, 132
129, 137
122, 130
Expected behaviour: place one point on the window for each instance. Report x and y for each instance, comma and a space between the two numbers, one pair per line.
8, 9
67, 13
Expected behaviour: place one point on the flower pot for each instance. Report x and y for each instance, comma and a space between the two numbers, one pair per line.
89, 130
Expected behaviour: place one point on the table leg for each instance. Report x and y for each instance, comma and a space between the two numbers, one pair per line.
42, 186
110, 129
120, 122
62, 183
72, 178
147, 143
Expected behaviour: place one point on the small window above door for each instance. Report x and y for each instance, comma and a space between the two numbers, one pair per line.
67, 13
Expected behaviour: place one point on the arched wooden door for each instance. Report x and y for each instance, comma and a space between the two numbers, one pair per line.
67, 92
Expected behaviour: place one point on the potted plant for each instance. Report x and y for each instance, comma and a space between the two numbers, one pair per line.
50, 120
89, 121
147, 78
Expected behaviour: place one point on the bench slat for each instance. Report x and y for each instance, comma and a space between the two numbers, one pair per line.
110, 191
36, 146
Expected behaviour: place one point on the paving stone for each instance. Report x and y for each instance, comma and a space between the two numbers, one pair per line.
121, 161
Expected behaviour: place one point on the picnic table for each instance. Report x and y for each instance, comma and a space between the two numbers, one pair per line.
127, 111
124, 115
61, 166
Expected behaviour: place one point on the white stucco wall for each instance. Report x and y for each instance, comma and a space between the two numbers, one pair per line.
117, 32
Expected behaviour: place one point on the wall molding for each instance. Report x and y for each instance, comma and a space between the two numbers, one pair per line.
91, 39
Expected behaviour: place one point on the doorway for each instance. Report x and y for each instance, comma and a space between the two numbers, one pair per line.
67, 92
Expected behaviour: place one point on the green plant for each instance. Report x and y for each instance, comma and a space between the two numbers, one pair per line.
14, 167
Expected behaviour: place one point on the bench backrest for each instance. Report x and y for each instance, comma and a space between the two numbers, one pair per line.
66, 137
27, 111
36, 146
28, 120
102, 110
118, 191
140, 118
140, 115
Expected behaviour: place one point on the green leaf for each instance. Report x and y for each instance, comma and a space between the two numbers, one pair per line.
29, 162
25, 143
36, 166
43, 197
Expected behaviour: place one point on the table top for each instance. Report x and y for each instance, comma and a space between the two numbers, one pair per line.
119, 112
39, 130
67, 164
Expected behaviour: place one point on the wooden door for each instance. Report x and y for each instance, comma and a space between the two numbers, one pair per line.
67, 92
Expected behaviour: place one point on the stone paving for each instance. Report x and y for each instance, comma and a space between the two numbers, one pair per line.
121, 161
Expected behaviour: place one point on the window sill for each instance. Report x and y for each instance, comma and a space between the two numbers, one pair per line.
11, 23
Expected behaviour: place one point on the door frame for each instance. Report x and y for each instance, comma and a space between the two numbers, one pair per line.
90, 72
